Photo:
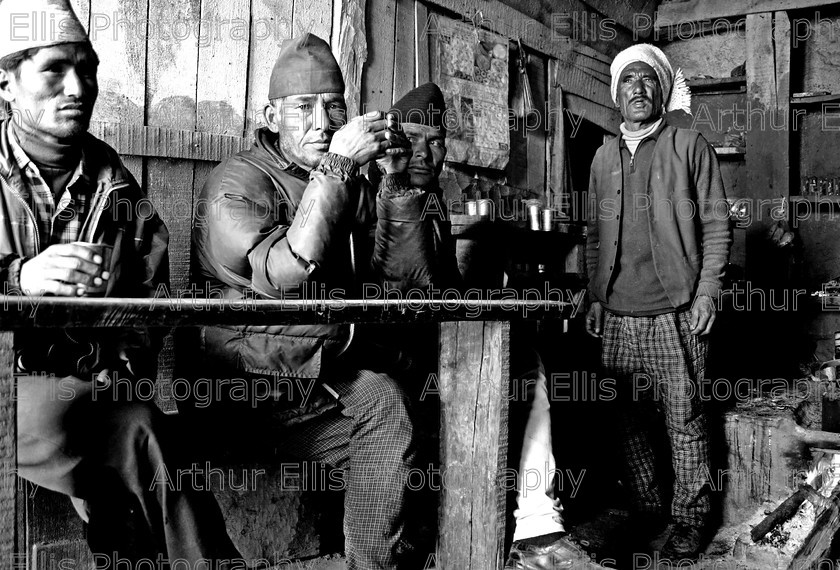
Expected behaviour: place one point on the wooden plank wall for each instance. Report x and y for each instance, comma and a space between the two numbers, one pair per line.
170, 69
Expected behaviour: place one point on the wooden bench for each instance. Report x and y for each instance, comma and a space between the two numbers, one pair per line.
473, 383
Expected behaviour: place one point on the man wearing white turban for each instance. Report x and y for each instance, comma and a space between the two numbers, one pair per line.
658, 240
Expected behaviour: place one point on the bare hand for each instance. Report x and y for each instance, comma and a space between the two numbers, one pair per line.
595, 320
63, 269
362, 139
702, 315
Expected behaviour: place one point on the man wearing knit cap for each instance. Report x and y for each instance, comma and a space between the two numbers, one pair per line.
538, 534
66, 231
293, 218
658, 241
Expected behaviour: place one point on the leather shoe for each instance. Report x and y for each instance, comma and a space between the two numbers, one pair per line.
562, 553
685, 543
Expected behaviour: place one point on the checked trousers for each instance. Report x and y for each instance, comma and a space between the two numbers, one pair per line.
367, 441
657, 362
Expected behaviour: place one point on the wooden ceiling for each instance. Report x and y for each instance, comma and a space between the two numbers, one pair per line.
605, 25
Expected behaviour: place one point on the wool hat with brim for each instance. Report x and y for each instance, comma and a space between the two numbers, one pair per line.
305, 65
423, 105
29, 24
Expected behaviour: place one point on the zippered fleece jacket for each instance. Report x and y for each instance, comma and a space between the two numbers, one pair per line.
687, 210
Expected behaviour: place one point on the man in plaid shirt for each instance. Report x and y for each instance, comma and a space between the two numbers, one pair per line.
657, 243
65, 230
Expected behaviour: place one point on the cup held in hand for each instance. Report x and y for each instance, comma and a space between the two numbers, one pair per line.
104, 251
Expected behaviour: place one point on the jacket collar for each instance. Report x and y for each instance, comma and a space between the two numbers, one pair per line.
653, 135
266, 141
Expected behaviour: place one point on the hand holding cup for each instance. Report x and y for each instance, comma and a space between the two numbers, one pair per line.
69, 270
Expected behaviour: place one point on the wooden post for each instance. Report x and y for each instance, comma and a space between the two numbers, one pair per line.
8, 451
768, 136
474, 379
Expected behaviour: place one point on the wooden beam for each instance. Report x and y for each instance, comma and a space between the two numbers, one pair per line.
687, 11
636, 17
378, 74
511, 23
608, 118
780, 514
768, 136
818, 542
188, 309
421, 42
576, 80
474, 380
8, 454
352, 52
574, 20
161, 142
404, 46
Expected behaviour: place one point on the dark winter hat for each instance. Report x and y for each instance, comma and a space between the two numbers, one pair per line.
305, 65
423, 105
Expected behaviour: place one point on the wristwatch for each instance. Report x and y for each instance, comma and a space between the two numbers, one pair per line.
308, 266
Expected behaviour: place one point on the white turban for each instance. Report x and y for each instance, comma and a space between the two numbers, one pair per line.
27, 24
675, 92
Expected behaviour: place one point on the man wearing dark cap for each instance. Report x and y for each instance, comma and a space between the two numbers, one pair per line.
292, 216
539, 533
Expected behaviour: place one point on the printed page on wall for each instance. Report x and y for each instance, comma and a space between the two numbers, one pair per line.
471, 67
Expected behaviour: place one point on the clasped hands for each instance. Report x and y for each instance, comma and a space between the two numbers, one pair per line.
373, 136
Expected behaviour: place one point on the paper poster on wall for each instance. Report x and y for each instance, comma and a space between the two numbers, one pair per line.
470, 65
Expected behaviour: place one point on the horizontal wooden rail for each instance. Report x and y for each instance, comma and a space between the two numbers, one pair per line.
161, 142
20, 312
474, 370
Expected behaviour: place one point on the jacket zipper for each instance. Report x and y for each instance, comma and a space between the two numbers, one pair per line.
28, 211
96, 213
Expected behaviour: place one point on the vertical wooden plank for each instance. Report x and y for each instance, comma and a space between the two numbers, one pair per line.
171, 99
223, 66
8, 451
536, 126
314, 16
421, 42
556, 149
171, 94
474, 379
118, 32
404, 61
222, 73
271, 25
516, 170
768, 139
378, 74
351, 51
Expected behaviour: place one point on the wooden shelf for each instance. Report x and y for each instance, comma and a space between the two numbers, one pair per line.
718, 84
817, 200
811, 99
730, 151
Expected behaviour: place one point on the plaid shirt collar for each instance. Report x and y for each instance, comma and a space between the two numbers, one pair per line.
23, 162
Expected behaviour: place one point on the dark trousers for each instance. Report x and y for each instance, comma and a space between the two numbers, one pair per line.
79, 441
368, 439
658, 363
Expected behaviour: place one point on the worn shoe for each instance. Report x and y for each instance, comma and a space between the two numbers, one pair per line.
561, 553
685, 543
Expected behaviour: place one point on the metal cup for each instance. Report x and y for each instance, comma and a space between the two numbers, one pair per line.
533, 215
104, 251
547, 219
485, 207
